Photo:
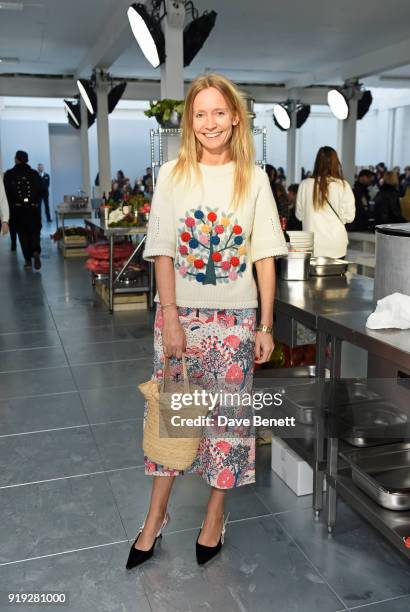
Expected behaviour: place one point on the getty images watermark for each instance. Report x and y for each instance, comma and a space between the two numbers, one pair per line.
201, 398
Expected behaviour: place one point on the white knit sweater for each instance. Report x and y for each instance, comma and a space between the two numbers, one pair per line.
213, 246
330, 236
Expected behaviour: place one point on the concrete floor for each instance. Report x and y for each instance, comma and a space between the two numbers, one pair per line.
73, 491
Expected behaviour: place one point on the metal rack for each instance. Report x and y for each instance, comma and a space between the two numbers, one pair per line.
158, 135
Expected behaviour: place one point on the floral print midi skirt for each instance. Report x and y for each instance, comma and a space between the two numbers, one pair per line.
220, 358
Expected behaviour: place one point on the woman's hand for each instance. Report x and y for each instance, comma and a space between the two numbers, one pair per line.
173, 335
4, 228
264, 346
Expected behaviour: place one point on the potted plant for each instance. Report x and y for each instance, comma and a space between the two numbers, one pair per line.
167, 112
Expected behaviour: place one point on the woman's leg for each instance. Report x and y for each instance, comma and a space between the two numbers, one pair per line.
211, 530
160, 492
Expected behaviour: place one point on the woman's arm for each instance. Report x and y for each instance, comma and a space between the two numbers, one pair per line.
173, 335
265, 270
348, 205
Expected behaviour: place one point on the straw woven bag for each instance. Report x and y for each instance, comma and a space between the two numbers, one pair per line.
159, 442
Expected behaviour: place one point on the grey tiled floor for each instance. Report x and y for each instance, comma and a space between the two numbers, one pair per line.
73, 490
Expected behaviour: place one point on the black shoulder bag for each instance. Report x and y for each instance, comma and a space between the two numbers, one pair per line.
338, 216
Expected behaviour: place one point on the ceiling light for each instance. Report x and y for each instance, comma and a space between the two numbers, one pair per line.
88, 95
196, 33
9, 60
11, 6
338, 104
115, 95
281, 116
73, 113
364, 104
148, 34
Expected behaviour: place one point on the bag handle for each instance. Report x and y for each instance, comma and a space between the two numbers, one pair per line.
184, 373
337, 215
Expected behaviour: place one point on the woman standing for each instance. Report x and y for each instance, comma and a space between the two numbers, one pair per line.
212, 216
325, 202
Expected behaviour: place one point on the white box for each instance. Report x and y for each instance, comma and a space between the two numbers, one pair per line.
295, 472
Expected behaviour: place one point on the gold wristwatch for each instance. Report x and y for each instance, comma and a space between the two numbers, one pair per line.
264, 328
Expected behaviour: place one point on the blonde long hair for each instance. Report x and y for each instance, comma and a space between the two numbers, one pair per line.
241, 143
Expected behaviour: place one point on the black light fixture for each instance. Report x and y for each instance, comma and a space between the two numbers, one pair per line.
282, 115
338, 103
73, 109
115, 95
146, 27
73, 113
338, 100
364, 104
87, 91
196, 33
147, 31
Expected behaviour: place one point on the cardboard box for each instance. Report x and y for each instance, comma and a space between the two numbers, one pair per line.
295, 472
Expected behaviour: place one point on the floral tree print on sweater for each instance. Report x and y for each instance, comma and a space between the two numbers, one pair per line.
211, 249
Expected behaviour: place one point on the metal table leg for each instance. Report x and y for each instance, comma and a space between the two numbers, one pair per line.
319, 448
333, 442
111, 275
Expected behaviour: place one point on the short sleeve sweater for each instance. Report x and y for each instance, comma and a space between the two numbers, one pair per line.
212, 245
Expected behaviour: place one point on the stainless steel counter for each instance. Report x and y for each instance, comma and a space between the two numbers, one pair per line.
339, 307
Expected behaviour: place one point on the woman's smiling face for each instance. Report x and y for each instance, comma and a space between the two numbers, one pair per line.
213, 121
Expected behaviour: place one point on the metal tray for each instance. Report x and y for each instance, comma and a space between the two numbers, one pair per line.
372, 423
326, 266
383, 473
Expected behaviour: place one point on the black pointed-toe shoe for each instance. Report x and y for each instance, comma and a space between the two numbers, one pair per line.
137, 556
206, 553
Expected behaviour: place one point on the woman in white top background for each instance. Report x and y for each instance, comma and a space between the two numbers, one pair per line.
212, 217
325, 202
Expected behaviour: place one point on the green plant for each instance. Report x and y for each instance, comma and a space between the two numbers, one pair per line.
163, 109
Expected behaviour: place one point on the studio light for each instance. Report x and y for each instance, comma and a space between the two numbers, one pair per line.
281, 116
196, 33
73, 108
364, 104
148, 34
302, 114
338, 104
115, 95
73, 113
87, 92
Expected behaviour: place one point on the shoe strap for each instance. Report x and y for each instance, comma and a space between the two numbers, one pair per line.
164, 523
225, 520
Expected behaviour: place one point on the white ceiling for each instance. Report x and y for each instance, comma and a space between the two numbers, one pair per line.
286, 41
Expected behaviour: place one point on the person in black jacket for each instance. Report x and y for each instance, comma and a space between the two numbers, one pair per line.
362, 199
24, 189
46, 187
387, 202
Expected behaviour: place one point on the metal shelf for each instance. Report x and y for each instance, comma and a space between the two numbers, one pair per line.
394, 526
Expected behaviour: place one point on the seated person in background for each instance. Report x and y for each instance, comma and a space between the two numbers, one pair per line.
293, 223
362, 199
387, 202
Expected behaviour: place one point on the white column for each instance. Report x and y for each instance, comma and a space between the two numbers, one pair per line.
391, 136
172, 71
291, 146
347, 142
85, 155
103, 135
